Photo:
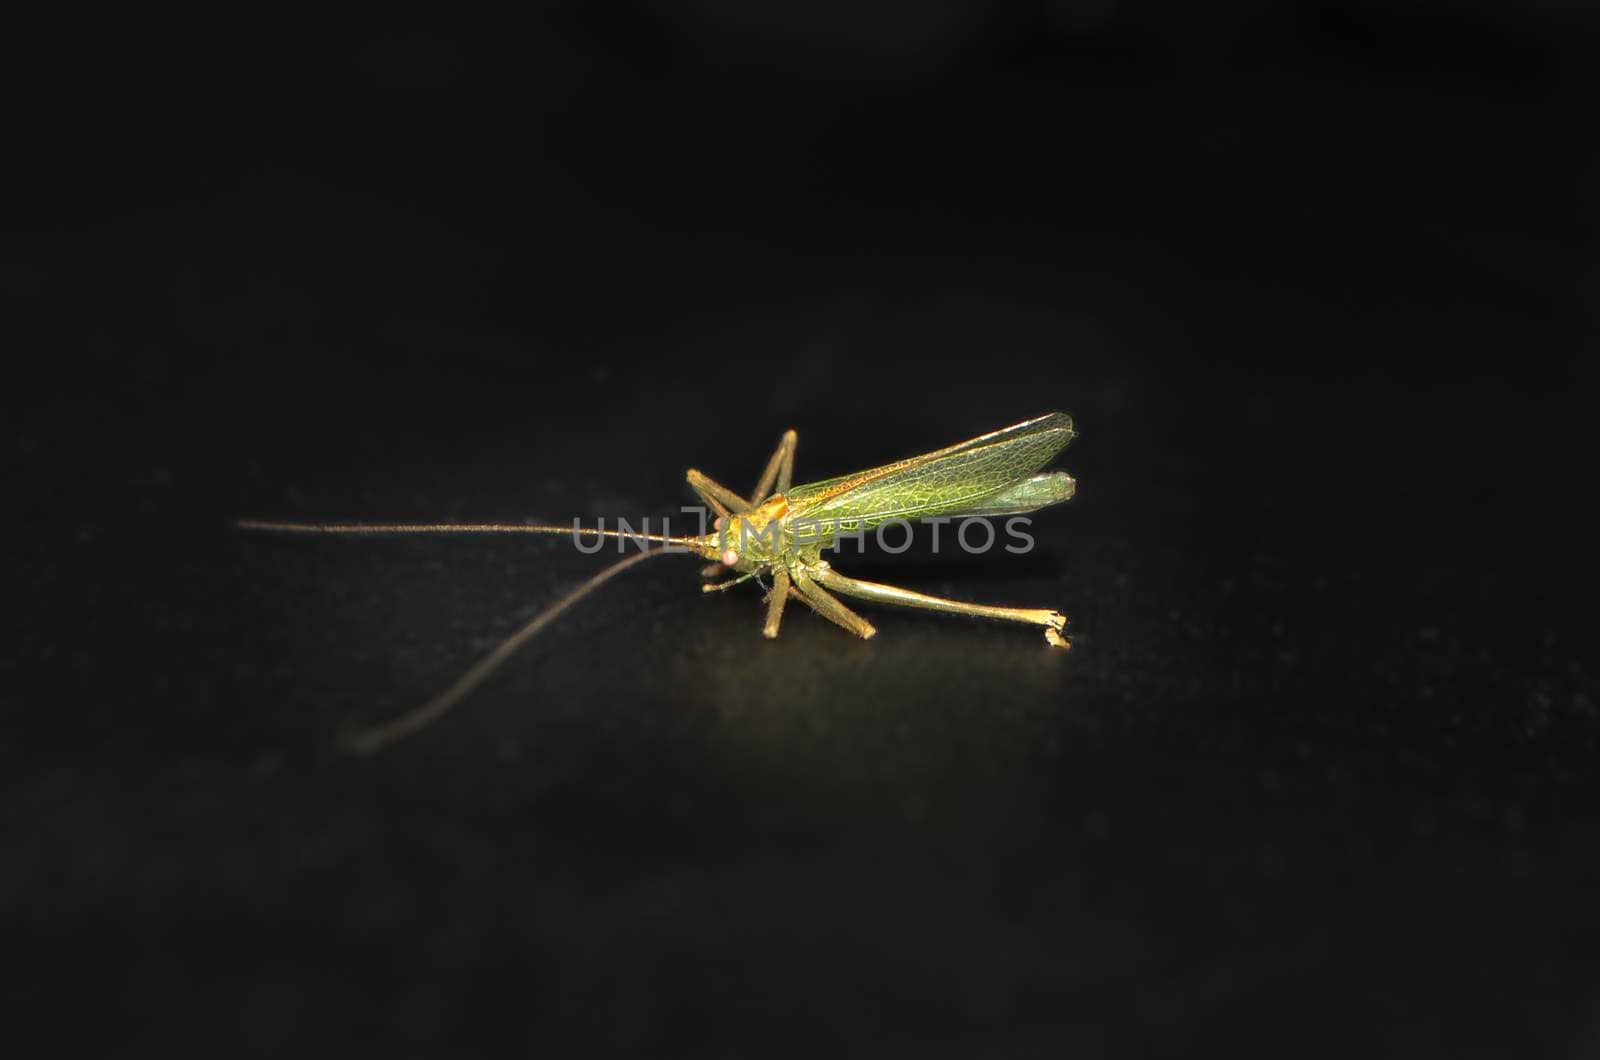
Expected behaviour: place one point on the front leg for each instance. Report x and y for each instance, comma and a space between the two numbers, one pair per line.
718, 497
1052, 621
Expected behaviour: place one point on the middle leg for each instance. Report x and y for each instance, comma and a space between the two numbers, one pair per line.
775, 601
779, 471
828, 606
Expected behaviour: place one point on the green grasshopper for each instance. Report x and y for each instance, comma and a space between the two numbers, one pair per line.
782, 530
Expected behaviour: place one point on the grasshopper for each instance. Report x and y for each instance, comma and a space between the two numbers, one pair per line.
782, 530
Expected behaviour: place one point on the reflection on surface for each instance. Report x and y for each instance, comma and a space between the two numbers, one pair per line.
930, 714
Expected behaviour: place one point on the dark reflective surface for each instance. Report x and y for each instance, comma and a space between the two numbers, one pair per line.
1316, 777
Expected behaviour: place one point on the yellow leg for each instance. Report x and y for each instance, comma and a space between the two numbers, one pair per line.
824, 604
720, 498
1052, 621
775, 601
780, 469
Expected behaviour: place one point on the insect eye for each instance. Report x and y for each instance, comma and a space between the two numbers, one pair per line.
730, 558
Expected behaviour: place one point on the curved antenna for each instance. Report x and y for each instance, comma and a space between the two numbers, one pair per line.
365, 741
376, 529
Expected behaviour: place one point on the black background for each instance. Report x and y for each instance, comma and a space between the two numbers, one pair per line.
1317, 283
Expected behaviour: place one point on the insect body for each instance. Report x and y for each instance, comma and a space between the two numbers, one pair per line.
782, 530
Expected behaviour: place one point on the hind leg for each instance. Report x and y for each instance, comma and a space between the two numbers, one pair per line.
1052, 621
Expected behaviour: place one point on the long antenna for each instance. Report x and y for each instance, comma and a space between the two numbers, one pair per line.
374, 738
375, 529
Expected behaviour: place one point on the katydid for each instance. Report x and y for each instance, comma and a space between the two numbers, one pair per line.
782, 530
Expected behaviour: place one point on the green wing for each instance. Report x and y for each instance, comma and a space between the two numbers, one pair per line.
1029, 495
992, 474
